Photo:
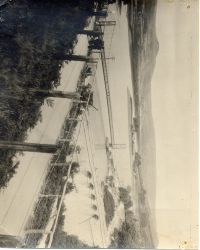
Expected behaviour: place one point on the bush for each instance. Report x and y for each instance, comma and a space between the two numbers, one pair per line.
124, 195
109, 205
125, 237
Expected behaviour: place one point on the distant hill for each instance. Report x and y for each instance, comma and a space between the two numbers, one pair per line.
144, 48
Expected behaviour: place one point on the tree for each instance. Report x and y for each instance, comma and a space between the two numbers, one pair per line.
89, 174
94, 207
125, 237
137, 159
124, 195
91, 186
93, 197
109, 205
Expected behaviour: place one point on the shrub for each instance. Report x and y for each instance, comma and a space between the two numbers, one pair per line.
109, 205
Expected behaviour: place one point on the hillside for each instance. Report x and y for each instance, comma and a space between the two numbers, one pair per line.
143, 51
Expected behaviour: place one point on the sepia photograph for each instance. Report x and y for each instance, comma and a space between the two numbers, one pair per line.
99, 124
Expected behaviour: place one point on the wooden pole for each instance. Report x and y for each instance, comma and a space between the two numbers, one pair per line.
37, 231
55, 93
59, 164
76, 58
30, 147
50, 195
41, 92
90, 32
105, 23
100, 13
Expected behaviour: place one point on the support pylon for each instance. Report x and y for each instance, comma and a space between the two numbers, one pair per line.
55, 93
100, 13
90, 32
37, 231
50, 195
105, 23
64, 140
76, 58
31, 147
113, 146
74, 119
41, 93
59, 164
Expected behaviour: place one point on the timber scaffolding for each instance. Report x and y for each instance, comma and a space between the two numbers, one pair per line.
69, 140
51, 232
40, 93
98, 27
53, 229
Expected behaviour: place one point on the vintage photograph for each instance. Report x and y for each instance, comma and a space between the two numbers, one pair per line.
99, 124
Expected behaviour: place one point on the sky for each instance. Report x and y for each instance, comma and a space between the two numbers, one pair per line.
174, 107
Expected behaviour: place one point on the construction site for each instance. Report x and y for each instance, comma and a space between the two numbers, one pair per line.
76, 179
